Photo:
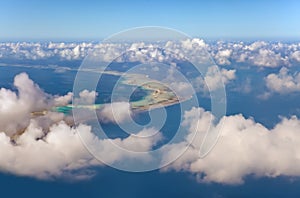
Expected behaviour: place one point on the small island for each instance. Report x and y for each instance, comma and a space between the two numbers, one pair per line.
158, 94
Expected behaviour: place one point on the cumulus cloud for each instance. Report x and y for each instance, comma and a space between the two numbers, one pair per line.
266, 58
63, 100
222, 57
15, 108
296, 56
45, 156
258, 53
86, 97
39, 143
116, 112
283, 82
48, 147
60, 152
215, 79
32, 139
244, 148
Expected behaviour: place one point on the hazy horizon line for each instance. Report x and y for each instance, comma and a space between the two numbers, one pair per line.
99, 39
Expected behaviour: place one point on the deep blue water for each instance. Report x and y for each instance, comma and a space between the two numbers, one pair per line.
113, 183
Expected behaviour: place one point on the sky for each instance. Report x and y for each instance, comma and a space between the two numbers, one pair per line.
83, 20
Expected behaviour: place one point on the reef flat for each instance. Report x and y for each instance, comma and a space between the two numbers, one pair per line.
158, 94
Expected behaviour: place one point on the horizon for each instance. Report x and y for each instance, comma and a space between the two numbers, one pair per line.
99, 40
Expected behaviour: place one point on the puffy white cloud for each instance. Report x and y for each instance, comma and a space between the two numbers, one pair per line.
222, 56
283, 82
191, 44
244, 148
38, 51
63, 100
86, 97
42, 155
47, 147
256, 45
258, 53
296, 56
216, 79
44, 145
15, 109
31, 143
228, 75
61, 153
266, 58
116, 112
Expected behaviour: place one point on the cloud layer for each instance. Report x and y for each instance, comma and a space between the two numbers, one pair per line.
244, 148
46, 146
258, 53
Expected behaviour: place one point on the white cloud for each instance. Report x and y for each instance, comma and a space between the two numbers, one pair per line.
191, 44
215, 79
61, 153
259, 53
283, 82
296, 56
266, 58
222, 57
15, 109
228, 75
244, 148
43, 145
86, 97
116, 112
44, 155
256, 45
63, 100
